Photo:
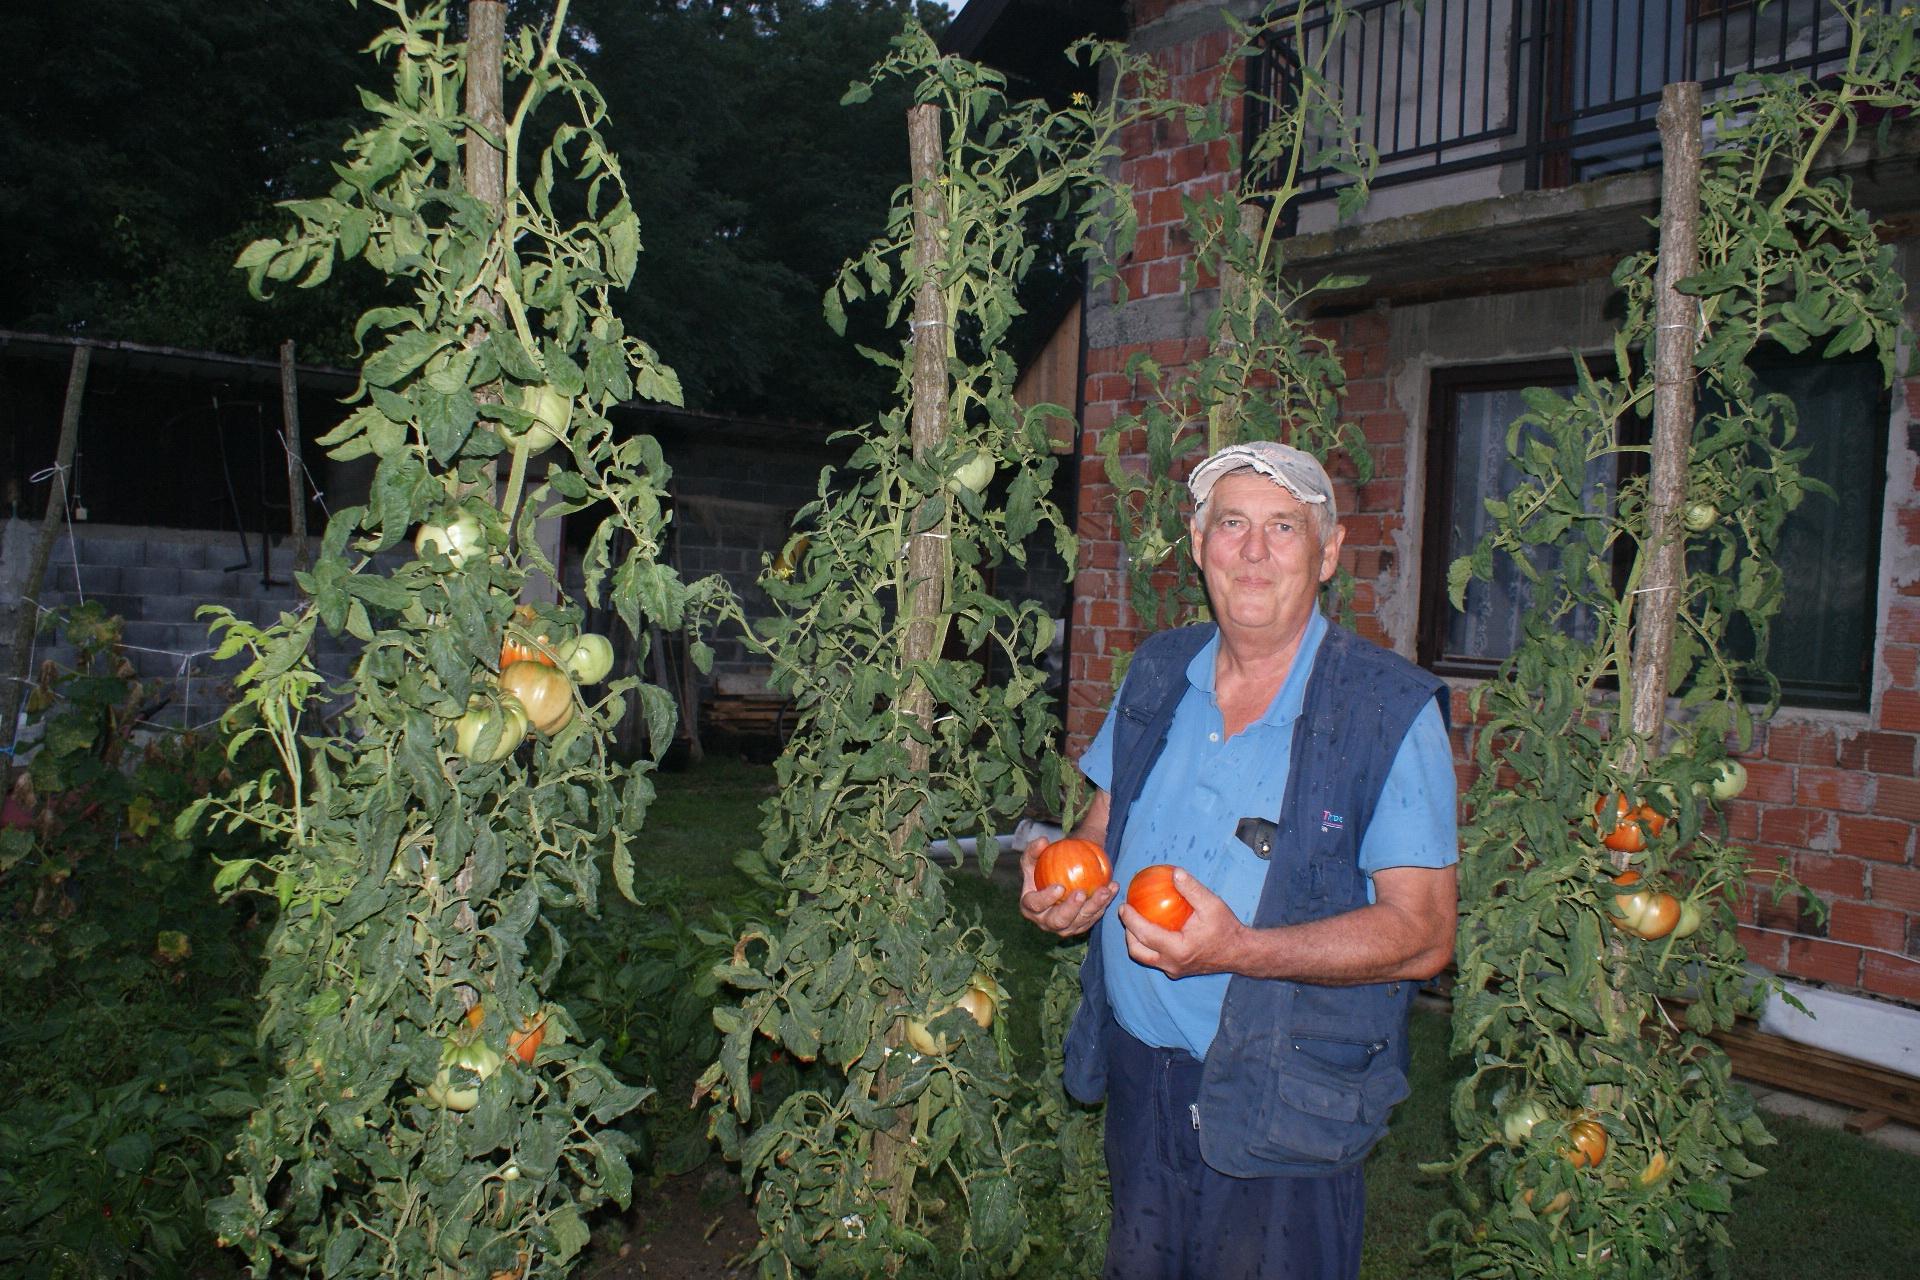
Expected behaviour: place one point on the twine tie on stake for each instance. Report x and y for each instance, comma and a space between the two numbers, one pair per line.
58, 471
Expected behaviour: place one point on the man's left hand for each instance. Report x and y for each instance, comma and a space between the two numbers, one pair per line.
1211, 941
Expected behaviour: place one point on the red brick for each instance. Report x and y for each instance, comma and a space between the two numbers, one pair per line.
1869, 926
1801, 744
1743, 822
1769, 950
1162, 206
1100, 555
1365, 530
1880, 839
1893, 976
1795, 828
1909, 522
1187, 163
1386, 427
1163, 279
1145, 173
1821, 961
1900, 709
1833, 789
1364, 397
1897, 887
1789, 915
1769, 783
1373, 326
1878, 752
1903, 617
1831, 877
1902, 662
1389, 460
1898, 798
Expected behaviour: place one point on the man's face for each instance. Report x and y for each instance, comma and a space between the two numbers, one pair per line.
1260, 551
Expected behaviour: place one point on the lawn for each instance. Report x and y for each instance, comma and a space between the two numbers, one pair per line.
1833, 1207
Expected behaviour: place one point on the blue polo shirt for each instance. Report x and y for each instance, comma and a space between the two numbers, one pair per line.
1202, 785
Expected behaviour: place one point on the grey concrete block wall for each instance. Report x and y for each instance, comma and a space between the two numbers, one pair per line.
156, 581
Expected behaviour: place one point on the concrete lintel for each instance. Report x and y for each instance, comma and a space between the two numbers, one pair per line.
1176, 316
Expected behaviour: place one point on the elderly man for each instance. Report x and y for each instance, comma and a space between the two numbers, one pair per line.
1299, 779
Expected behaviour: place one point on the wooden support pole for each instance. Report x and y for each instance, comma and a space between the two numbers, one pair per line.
1676, 336
924, 605
50, 522
296, 473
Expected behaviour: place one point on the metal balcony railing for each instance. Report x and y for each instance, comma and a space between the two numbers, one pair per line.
1532, 94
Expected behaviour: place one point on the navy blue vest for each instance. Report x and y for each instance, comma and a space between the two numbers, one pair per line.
1300, 1078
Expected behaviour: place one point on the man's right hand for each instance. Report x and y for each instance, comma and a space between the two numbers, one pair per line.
1053, 908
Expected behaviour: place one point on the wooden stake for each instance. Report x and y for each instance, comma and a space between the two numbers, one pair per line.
892, 1167
1676, 335
296, 477
50, 522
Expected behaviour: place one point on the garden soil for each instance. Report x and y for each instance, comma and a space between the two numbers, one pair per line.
696, 1227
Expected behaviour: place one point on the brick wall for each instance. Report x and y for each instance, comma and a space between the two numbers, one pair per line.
1836, 796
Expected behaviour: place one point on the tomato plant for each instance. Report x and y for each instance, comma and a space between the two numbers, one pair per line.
588, 658
423, 860
1645, 913
1630, 826
912, 1143
1266, 374
1074, 865
1589, 1140
460, 539
543, 691
1572, 964
490, 728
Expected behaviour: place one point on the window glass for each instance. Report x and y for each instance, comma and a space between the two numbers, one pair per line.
1821, 643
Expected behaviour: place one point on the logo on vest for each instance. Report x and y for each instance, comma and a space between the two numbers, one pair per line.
1331, 821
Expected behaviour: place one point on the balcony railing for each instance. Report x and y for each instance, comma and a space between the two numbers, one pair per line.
1532, 94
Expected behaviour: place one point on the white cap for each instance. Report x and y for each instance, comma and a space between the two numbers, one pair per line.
1295, 470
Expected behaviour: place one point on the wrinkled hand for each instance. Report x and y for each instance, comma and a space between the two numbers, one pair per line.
1053, 908
1210, 941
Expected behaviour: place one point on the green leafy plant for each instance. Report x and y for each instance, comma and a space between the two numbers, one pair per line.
906, 1143
432, 1113
119, 958
1266, 374
1600, 1131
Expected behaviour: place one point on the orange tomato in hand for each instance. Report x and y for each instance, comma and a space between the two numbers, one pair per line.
1152, 894
1072, 864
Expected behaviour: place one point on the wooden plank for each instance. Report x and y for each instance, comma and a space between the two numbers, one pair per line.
1817, 1073
1864, 1122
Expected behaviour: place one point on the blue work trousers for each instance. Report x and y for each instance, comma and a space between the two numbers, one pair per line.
1174, 1218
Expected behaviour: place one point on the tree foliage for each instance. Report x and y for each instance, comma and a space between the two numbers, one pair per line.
149, 151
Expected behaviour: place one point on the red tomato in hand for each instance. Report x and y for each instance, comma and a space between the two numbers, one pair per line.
1152, 894
1072, 864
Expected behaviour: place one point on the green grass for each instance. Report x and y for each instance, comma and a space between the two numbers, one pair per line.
1834, 1206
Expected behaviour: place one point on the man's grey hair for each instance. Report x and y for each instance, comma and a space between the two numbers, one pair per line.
1324, 517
